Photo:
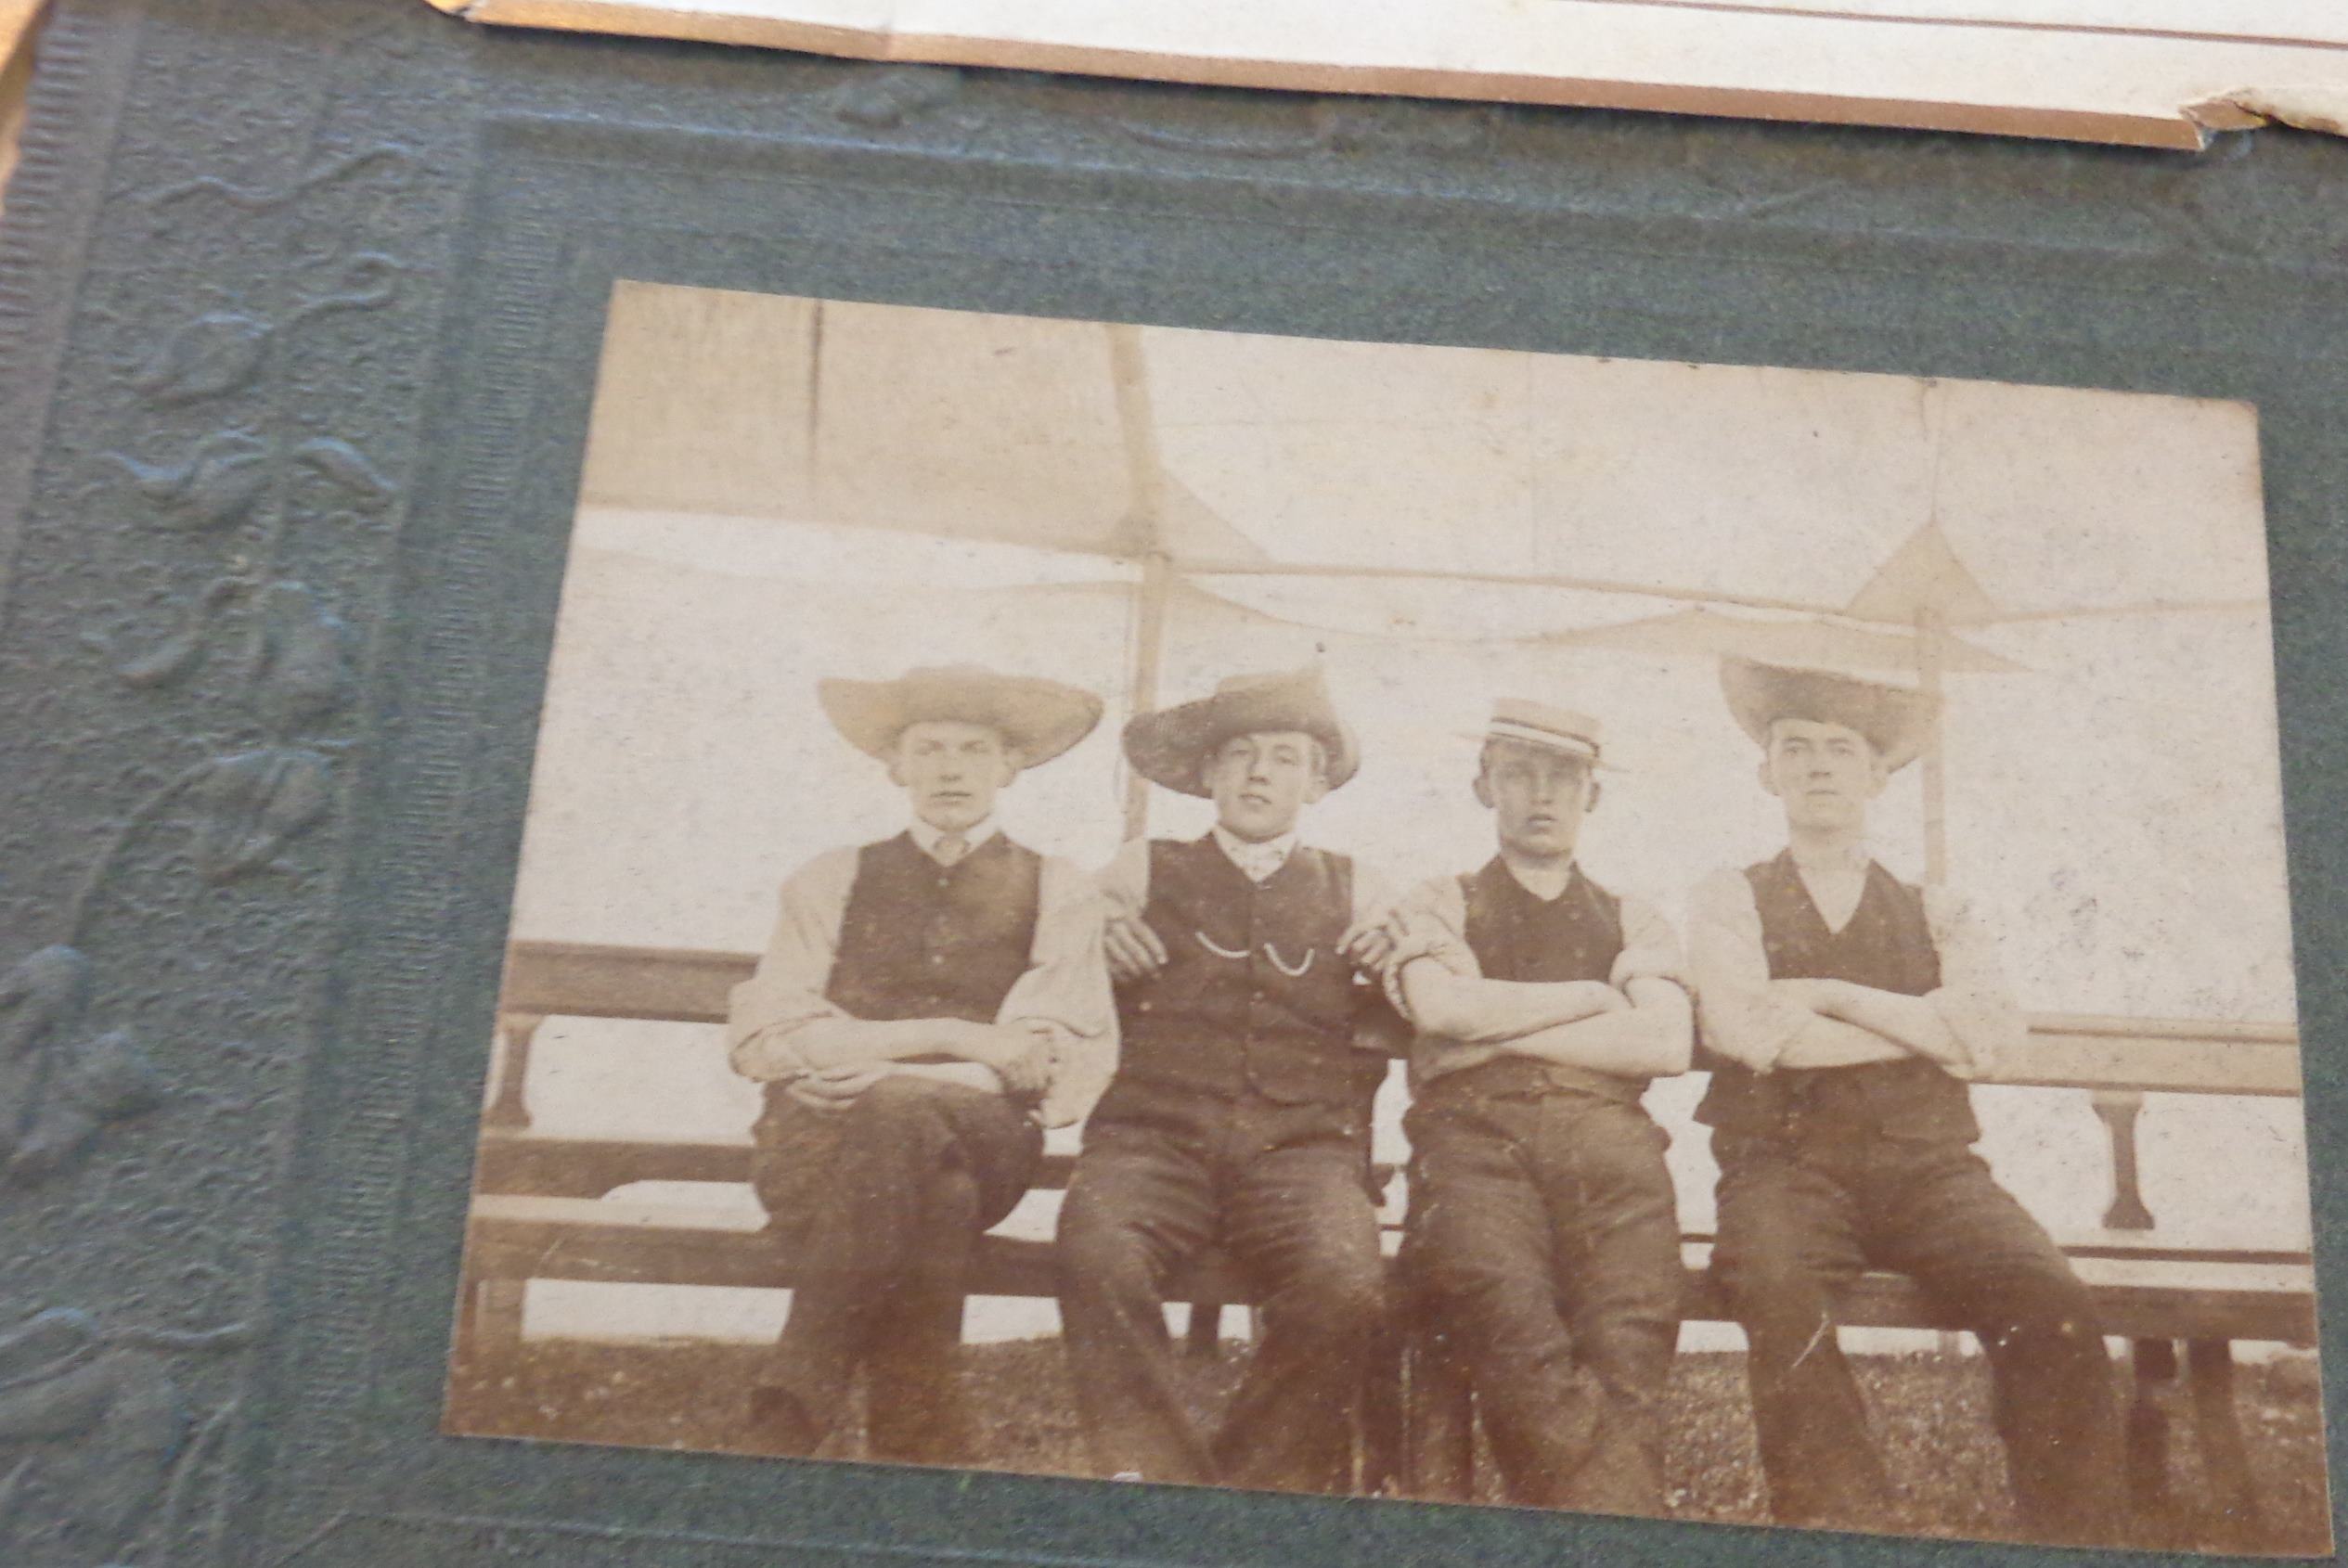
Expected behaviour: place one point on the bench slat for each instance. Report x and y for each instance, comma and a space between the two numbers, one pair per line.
529, 1164
2059, 1057
590, 980
619, 1253
564, 1167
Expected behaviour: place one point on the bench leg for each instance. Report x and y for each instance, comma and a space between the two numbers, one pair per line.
510, 1112
2154, 1365
1439, 1423
2217, 1430
495, 1316
2120, 1109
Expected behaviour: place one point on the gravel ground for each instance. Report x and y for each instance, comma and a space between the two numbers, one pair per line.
1931, 1414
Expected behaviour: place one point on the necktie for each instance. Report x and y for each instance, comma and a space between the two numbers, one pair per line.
950, 848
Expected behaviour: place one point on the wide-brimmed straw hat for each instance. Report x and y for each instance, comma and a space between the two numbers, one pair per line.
1169, 747
1038, 719
1550, 727
1893, 719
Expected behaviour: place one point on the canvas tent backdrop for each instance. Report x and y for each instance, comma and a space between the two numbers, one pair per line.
781, 489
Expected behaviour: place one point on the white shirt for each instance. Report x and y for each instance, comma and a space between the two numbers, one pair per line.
927, 837
1257, 862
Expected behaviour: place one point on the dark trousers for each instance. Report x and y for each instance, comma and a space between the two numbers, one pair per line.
881, 1206
1544, 1252
1283, 1191
1797, 1221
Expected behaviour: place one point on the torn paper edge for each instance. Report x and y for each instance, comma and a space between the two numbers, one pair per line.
2312, 107
2305, 109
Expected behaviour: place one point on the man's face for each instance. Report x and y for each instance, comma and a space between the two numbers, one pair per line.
1823, 773
1538, 796
950, 771
1260, 782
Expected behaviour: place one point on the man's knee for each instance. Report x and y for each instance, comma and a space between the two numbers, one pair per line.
894, 1105
1769, 1288
1471, 1285
1632, 1352
1100, 1252
949, 1212
1339, 1298
898, 1124
2052, 1311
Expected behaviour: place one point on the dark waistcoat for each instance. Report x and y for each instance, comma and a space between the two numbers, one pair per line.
1886, 946
1255, 995
1516, 936
921, 940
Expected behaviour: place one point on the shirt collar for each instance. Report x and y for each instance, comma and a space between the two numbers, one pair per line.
927, 836
1853, 856
1256, 861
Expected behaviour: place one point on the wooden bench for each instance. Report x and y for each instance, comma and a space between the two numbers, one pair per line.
541, 1212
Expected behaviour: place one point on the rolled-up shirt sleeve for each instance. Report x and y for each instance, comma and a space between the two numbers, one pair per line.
1066, 993
1650, 947
1435, 912
1728, 968
785, 993
1972, 999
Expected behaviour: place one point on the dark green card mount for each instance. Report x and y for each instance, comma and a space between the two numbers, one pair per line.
300, 305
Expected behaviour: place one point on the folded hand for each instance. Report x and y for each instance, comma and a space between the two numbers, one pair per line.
1371, 943
1410, 937
1134, 950
1027, 1076
835, 1089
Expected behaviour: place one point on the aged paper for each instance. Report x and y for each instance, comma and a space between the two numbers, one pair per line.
2160, 74
1635, 937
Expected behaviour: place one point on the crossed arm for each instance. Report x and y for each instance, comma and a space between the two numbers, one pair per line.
783, 1029
834, 1058
1963, 1026
1852, 1025
1644, 1028
1644, 1031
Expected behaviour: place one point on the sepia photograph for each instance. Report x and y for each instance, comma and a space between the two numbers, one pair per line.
1426, 923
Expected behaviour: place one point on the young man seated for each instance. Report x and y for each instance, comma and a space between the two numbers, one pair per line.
1843, 1012
1240, 1113
927, 1003
1542, 1242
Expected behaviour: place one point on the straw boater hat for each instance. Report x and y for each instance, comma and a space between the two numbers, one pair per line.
1893, 719
1538, 724
1167, 747
1038, 719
